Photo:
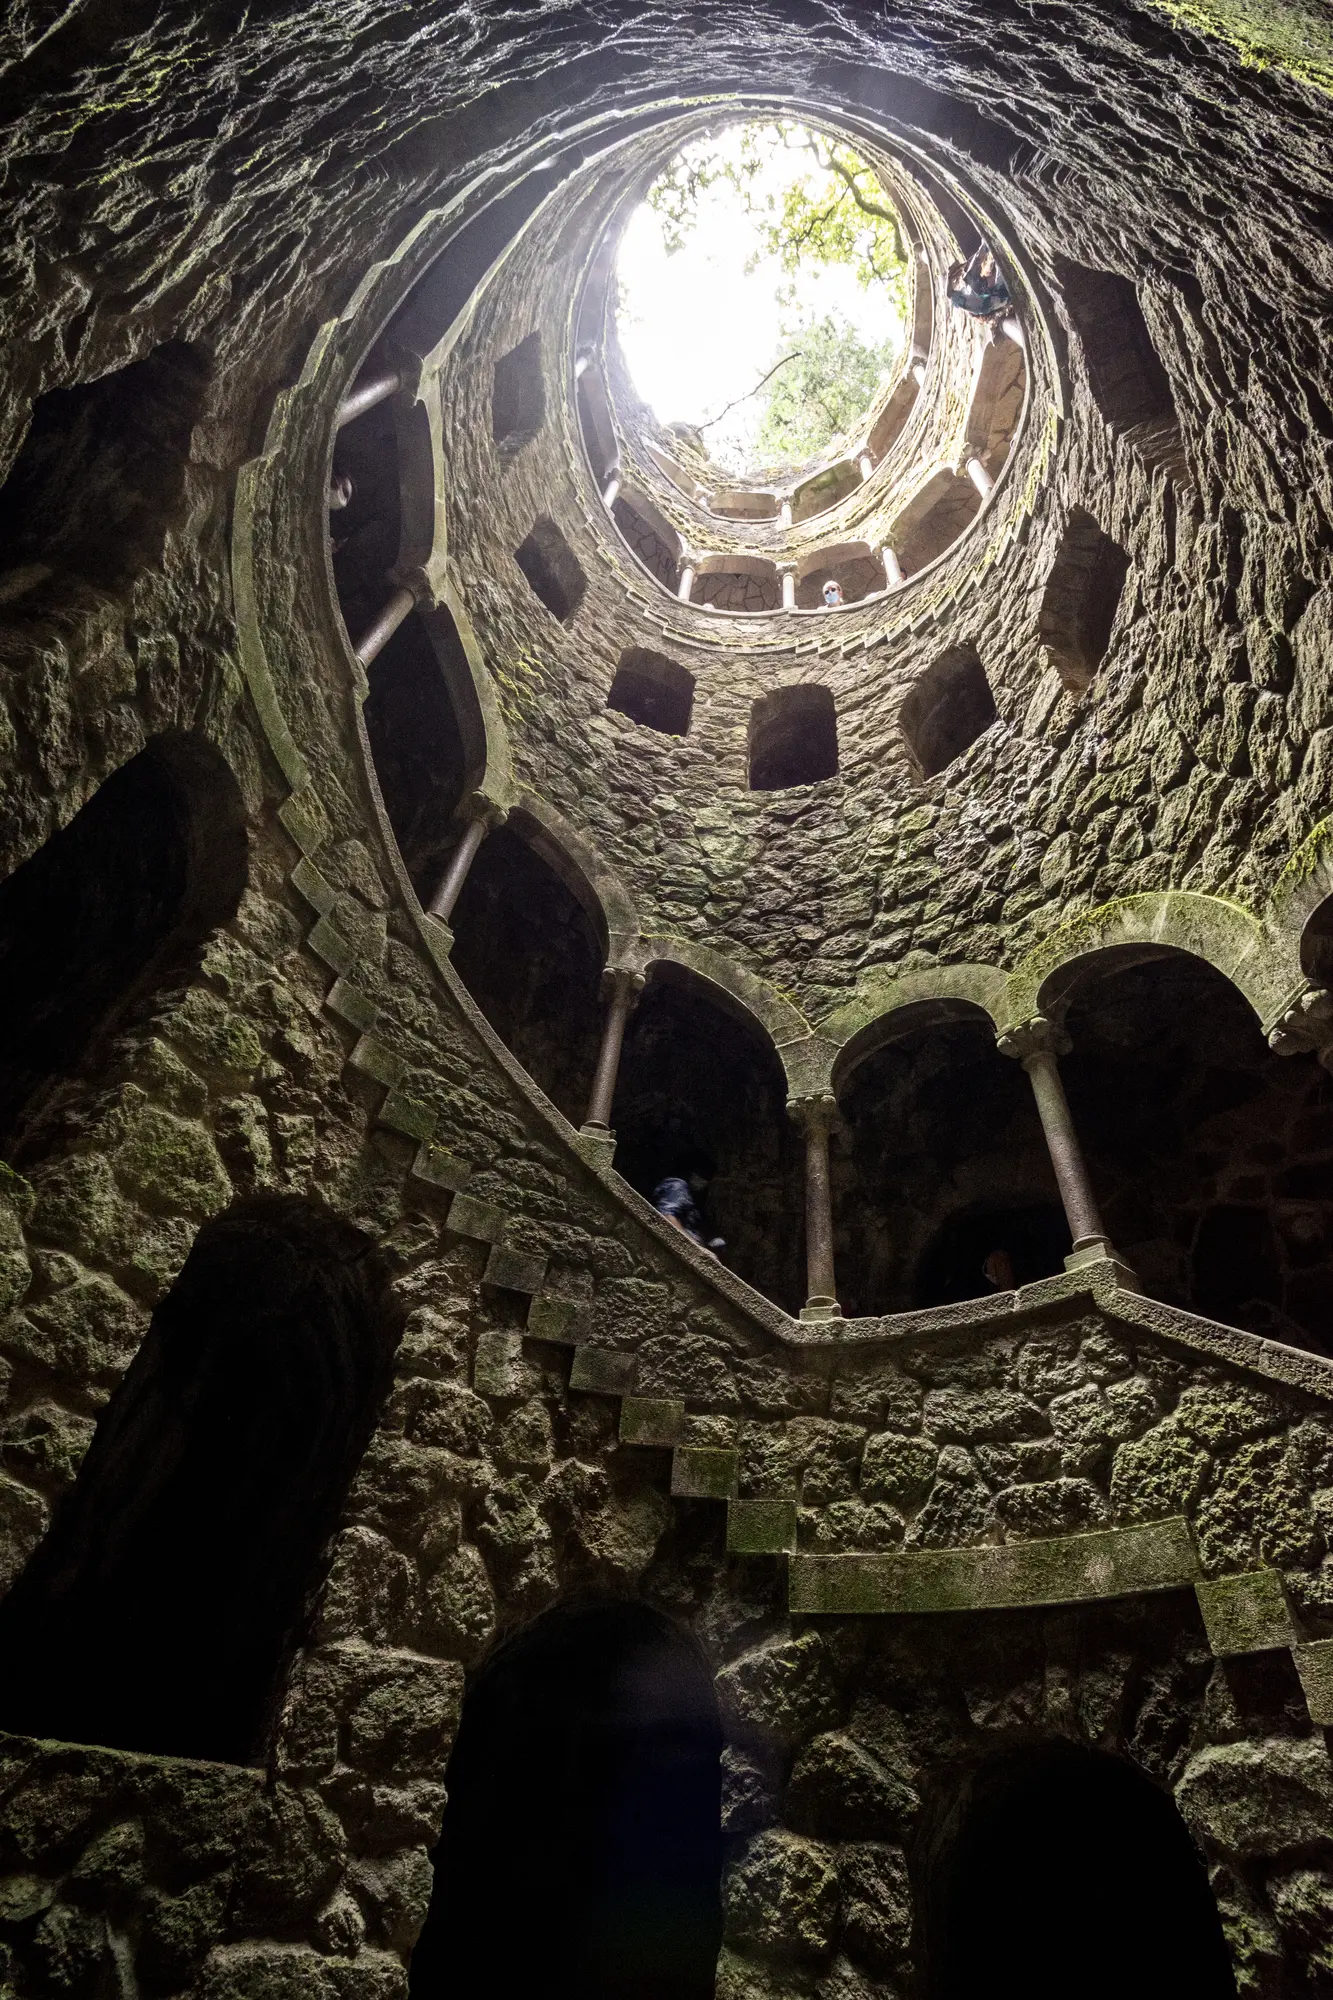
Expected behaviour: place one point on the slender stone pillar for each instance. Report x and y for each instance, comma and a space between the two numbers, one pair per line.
686, 583
785, 516
622, 988
866, 463
1037, 1044
893, 569
341, 490
372, 642
365, 395
787, 571
611, 489
582, 363
816, 1117
918, 373
980, 478
481, 817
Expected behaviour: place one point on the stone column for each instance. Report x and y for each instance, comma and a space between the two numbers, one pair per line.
785, 514
1306, 1027
611, 490
621, 988
787, 571
365, 395
893, 569
979, 476
686, 582
866, 464
1037, 1044
918, 373
481, 816
372, 642
816, 1117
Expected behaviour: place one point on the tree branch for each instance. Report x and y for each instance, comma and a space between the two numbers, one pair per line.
749, 392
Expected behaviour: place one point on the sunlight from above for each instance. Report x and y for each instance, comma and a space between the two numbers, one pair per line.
764, 244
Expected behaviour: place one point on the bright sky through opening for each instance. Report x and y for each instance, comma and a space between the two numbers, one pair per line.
697, 329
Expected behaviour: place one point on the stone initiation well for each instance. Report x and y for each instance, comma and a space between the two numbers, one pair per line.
435, 810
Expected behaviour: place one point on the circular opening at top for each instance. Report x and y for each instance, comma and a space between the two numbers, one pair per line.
764, 294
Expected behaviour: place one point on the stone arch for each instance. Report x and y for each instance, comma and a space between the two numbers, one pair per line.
737, 583
108, 918
894, 1006
1224, 933
162, 1610
622, 1871
852, 564
742, 503
649, 534
998, 398
736, 989
933, 519
579, 866
1077, 1864
825, 489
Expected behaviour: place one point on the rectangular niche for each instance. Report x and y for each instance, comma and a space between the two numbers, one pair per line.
651, 689
518, 400
948, 709
552, 568
793, 738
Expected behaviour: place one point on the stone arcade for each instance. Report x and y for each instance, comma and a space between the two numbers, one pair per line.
437, 803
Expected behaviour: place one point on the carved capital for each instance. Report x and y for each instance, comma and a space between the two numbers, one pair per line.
1037, 1037
476, 806
1306, 1027
816, 1113
617, 979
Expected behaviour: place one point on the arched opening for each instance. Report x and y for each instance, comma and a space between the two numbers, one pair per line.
943, 1163
933, 520
586, 1778
1081, 599
421, 759
825, 489
851, 565
529, 953
740, 503
108, 919
950, 706
101, 472
737, 583
793, 738
1317, 945
892, 419
700, 1091
552, 569
1212, 1156
654, 690
1066, 1871
365, 527
1128, 382
652, 538
518, 398
162, 1609
997, 403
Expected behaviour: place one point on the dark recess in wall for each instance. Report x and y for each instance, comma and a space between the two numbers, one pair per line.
161, 1610
101, 473
518, 400
1128, 382
365, 534
552, 569
417, 748
527, 951
950, 706
793, 738
108, 919
1081, 599
654, 690
586, 1768
1065, 1871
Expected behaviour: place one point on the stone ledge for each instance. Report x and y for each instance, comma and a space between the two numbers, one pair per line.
651, 1420
1245, 1614
704, 1472
514, 1270
553, 1318
479, 1219
1067, 1569
600, 1371
761, 1527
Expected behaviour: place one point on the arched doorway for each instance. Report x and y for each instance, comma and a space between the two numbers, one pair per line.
581, 1852
161, 1610
107, 919
701, 1092
943, 1162
1212, 1157
1067, 1872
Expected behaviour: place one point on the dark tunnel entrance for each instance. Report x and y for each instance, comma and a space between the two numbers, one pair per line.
581, 1853
161, 1610
1068, 1872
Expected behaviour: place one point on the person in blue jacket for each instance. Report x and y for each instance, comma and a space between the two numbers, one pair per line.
674, 1198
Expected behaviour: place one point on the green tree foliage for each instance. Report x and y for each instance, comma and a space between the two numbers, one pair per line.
829, 209
824, 389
